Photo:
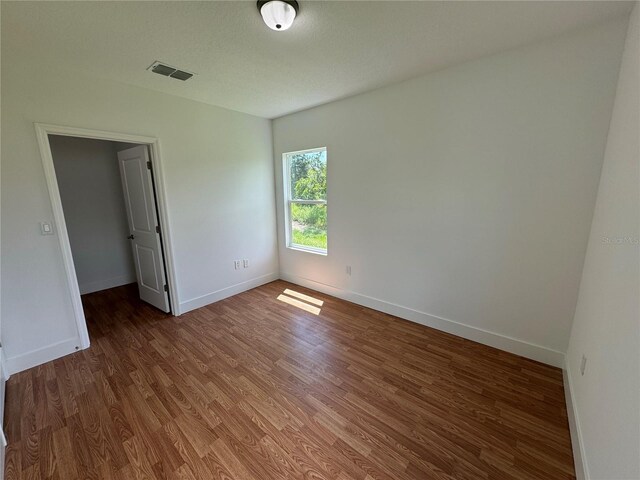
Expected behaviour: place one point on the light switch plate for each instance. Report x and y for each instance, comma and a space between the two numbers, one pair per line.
583, 364
46, 228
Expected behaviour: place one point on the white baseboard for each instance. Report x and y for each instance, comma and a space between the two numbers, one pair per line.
577, 444
226, 292
496, 340
90, 287
42, 355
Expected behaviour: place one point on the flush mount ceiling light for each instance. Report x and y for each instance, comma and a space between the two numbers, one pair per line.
278, 14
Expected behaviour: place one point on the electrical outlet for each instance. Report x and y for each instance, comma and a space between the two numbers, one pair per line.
46, 228
583, 364
236, 264
348, 269
245, 263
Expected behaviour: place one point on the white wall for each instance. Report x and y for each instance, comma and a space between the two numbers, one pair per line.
219, 177
606, 327
91, 191
463, 199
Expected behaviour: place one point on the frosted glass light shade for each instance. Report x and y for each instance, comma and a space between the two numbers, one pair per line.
278, 14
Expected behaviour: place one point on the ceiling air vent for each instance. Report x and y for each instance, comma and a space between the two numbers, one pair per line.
168, 71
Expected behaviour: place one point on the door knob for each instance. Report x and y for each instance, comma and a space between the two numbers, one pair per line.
131, 237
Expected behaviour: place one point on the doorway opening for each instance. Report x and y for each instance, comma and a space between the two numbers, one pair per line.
107, 194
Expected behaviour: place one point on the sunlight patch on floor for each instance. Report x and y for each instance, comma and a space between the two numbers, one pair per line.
302, 296
309, 304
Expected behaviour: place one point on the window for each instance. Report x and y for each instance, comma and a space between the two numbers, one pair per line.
305, 190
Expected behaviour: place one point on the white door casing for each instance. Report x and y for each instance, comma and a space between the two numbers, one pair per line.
137, 185
43, 130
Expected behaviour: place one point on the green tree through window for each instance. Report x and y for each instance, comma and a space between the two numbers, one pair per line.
307, 190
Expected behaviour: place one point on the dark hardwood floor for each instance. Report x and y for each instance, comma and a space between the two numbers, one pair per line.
255, 388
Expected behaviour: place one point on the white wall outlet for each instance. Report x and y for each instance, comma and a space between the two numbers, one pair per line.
348, 269
245, 263
46, 228
583, 364
236, 264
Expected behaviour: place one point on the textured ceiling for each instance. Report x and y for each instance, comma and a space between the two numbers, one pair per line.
334, 49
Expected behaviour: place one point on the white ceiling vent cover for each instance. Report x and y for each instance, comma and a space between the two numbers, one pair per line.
169, 71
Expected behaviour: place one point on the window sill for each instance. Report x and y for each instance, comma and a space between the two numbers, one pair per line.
300, 248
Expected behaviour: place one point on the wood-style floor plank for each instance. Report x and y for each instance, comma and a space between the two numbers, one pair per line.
252, 387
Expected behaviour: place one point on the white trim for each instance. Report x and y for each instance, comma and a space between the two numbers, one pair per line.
286, 201
308, 150
4, 372
63, 237
577, 443
163, 214
42, 355
496, 340
221, 294
90, 287
42, 132
308, 202
302, 248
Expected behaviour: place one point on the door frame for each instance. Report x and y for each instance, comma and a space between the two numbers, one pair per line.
43, 130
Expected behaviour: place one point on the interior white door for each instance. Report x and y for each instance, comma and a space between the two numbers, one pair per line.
137, 184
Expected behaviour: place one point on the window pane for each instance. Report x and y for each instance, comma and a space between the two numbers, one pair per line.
308, 175
309, 225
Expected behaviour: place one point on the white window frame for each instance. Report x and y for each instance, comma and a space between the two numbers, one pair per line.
288, 200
